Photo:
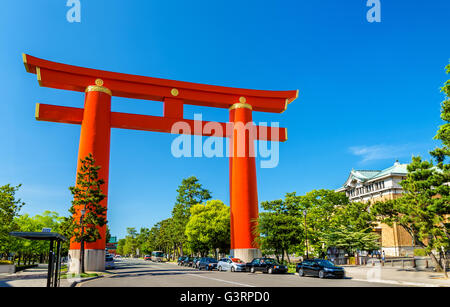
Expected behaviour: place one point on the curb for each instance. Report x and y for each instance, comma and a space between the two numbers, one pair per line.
398, 282
75, 283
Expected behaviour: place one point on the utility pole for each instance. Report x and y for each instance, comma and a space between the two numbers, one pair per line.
306, 235
83, 212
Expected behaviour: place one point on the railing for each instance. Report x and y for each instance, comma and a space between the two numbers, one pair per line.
403, 262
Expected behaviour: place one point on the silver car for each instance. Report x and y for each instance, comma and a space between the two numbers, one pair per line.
231, 264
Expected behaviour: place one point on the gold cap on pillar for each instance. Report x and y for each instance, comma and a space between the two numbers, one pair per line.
98, 87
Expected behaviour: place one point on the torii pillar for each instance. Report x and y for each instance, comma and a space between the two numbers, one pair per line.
243, 187
95, 138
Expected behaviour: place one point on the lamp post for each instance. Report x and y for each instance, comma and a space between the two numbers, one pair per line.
306, 234
83, 212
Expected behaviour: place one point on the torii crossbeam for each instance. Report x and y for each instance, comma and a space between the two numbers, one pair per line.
96, 120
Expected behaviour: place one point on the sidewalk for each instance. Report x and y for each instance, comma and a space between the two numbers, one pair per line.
396, 276
34, 277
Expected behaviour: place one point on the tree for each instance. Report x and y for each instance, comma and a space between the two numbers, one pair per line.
9, 210
28, 251
284, 227
352, 240
165, 240
87, 198
142, 241
443, 176
190, 193
209, 227
424, 208
279, 229
120, 247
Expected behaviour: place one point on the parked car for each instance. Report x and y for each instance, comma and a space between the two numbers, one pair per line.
180, 260
147, 257
183, 260
193, 262
266, 265
207, 264
197, 262
231, 264
319, 267
188, 261
109, 262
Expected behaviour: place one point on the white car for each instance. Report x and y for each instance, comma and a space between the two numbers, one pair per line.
231, 264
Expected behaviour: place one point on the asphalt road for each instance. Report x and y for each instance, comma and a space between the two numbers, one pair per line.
140, 273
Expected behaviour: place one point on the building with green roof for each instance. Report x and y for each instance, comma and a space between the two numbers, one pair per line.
381, 185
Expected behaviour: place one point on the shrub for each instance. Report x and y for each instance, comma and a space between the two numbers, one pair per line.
420, 252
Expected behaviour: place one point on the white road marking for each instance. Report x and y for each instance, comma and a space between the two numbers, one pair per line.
221, 280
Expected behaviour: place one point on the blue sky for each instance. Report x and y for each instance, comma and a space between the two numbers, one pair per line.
369, 92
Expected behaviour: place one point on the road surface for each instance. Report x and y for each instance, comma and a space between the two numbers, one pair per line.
140, 273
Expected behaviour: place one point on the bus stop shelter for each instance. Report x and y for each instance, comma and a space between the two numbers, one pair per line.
54, 254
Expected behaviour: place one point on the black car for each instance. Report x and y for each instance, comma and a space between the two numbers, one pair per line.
319, 267
188, 261
193, 262
207, 264
266, 265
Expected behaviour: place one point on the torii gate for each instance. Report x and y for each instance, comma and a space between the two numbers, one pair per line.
96, 120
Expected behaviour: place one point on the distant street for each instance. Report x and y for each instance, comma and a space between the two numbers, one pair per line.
140, 273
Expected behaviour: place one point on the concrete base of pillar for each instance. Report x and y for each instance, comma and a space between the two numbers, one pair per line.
94, 260
246, 254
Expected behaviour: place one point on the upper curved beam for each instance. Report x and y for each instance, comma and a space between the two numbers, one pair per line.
74, 78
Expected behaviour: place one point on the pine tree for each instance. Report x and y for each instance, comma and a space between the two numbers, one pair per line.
424, 209
190, 193
87, 198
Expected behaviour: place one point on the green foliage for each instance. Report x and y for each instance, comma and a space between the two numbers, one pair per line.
9, 210
443, 133
209, 227
279, 228
421, 210
87, 195
190, 193
26, 223
420, 252
424, 208
164, 236
351, 240
282, 224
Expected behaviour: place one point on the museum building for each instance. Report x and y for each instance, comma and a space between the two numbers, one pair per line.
380, 185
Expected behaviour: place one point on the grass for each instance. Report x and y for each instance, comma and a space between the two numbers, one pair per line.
291, 268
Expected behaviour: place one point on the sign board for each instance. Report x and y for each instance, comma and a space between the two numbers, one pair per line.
46, 230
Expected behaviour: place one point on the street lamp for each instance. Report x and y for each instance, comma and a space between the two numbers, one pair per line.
83, 212
306, 234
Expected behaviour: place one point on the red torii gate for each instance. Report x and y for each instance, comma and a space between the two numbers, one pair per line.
96, 120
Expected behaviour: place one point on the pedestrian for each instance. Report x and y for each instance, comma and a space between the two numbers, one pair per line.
382, 257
